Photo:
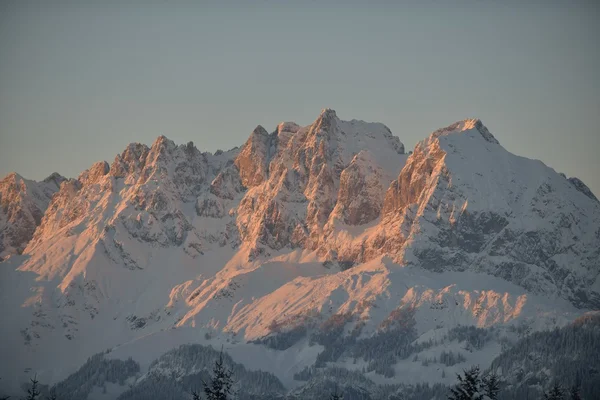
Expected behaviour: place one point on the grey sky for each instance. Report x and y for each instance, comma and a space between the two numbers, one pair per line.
79, 81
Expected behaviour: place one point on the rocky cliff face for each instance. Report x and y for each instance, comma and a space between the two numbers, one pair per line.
22, 206
582, 187
302, 184
362, 188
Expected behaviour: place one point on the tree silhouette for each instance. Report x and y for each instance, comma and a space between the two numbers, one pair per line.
556, 393
33, 392
220, 386
491, 386
468, 387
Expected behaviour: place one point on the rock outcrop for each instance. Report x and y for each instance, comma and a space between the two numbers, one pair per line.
22, 205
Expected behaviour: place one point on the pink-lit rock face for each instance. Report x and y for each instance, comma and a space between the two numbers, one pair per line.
22, 206
301, 187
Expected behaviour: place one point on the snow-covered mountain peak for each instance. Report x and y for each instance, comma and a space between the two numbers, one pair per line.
163, 141
130, 161
56, 178
462, 199
162, 148
11, 177
467, 126
347, 138
94, 173
22, 206
259, 130
325, 124
165, 152
289, 127
327, 113
16, 189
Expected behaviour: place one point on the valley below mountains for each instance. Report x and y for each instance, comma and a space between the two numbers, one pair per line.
318, 257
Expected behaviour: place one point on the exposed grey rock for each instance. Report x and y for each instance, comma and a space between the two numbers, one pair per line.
582, 187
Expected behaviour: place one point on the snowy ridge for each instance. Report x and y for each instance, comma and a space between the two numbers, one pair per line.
330, 224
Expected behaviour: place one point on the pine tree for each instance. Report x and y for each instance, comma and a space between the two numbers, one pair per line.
221, 385
468, 387
575, 393
491, 386
33, 392
556, 393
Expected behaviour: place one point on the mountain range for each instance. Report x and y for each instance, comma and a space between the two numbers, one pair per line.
315, 254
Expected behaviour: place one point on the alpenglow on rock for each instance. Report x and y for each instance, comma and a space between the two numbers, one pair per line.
23, 203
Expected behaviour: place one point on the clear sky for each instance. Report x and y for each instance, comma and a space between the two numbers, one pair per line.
80, 80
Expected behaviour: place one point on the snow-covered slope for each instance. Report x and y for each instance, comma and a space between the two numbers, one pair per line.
302, 231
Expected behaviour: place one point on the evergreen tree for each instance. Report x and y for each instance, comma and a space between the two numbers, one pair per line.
469, 386
221, 385
33, 392
556, 393
491, 386
575, 393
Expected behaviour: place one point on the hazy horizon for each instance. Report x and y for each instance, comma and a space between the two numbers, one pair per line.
78, 82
